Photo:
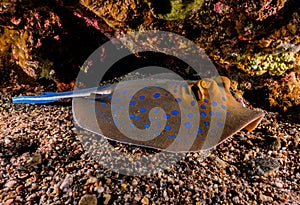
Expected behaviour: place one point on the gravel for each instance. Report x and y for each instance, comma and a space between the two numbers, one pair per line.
42, 161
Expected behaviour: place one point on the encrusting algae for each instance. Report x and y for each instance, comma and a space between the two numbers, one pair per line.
261, 63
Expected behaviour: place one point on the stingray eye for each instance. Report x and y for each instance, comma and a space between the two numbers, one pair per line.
205, 83
223, 81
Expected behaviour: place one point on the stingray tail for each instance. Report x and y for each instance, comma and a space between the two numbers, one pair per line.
49, 97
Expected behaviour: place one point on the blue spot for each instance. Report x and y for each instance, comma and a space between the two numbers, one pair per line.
96, 110
118, 99
228, 113
193, 102
190, 115
178, 83
223, 106
186, 142
137, 118
150, 119
168, 127
130, 96
144, 86
132, 125
175, 112
146, 126
142, 97
211, 113
218, 114
199, 130
118, 124
220, 124
121, 106
131, 116
178, 99
188, 125
103, 103
166, 94
117, 92
206, 123
124, 91
156, 95
107, 117
132, 103
175, 91
179, 138
109, 97
115, 119
224, 99
143, 109
205, 100
203, 114
171, 136
157, 133
184, 85
213, 131
167, 116
158, 125
214, 104
203, 107
172, 83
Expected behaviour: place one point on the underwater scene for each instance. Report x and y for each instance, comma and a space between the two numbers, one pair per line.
149, 102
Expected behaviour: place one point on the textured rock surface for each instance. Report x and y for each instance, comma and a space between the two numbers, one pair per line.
49, 41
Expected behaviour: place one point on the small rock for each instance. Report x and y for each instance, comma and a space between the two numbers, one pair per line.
10, 184
88, 199
145, 201
108, 181
236, 199
67, 182
99, 189
124, 186
91, 180
107, 198
265, 198
9, 201
278, 184
134, 182
137, 197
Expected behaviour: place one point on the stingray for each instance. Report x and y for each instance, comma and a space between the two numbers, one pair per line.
164, 114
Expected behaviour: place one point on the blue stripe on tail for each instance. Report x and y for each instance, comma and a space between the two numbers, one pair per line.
43, 97
32, 100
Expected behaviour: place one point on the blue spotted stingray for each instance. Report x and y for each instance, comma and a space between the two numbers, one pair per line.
171, 115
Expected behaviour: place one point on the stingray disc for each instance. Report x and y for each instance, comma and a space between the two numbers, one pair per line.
164, 114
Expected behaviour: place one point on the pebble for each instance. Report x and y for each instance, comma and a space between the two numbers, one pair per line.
8, 201
67, 182
134, 182
145, 201
279, 185
265, 198
10, 184
107, 199
88, 199
99, 189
